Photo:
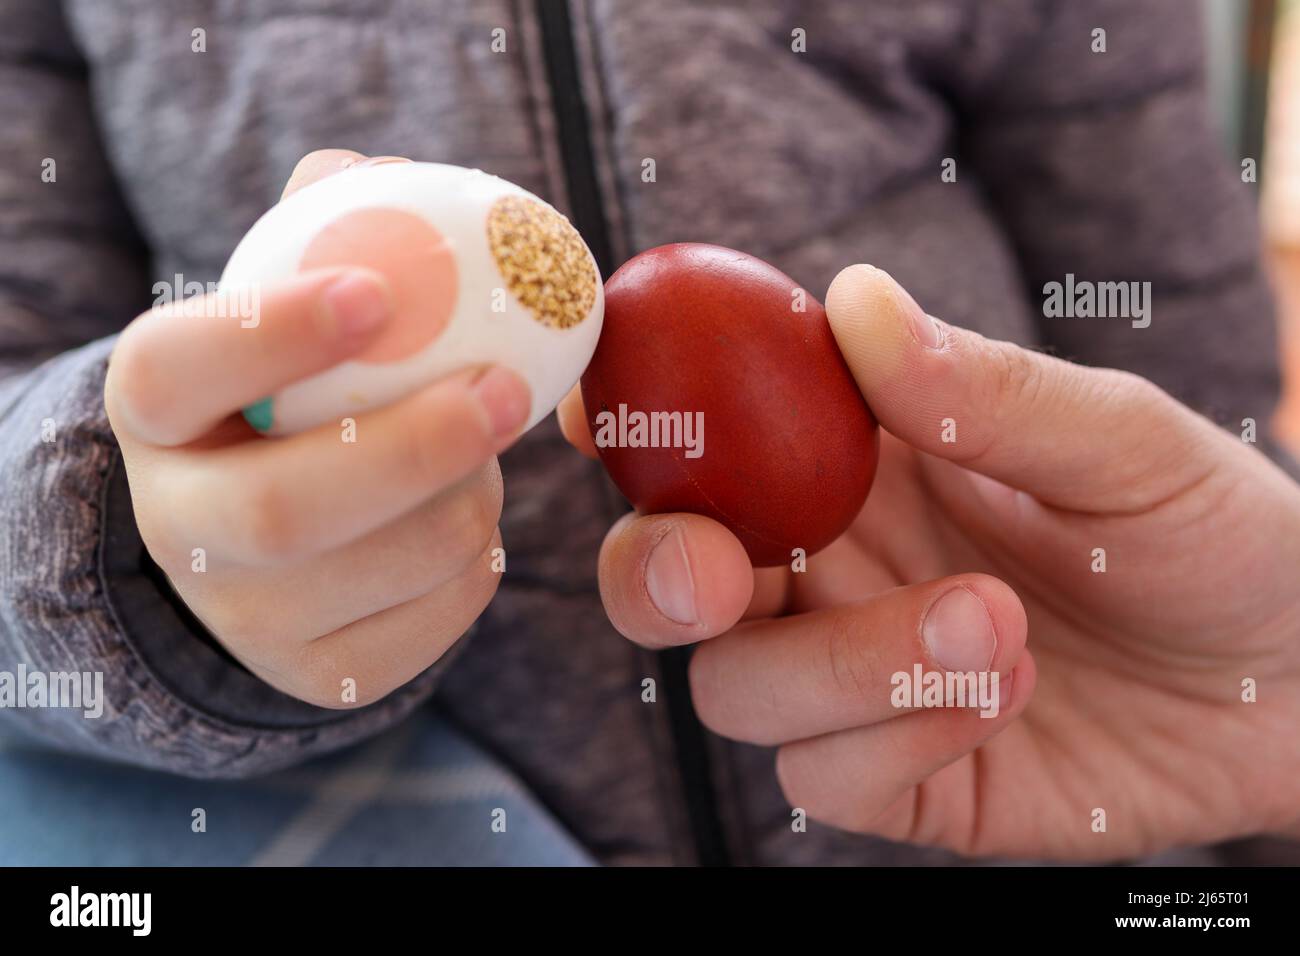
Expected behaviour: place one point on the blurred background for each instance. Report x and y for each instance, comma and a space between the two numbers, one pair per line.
1254, 59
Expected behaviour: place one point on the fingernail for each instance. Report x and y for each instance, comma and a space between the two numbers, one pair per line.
959, 632
925, 329
358, 302
668, 579
506, 398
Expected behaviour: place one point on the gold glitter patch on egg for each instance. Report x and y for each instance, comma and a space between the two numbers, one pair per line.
543, 259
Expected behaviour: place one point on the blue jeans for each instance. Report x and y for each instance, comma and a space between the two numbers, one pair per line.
420, 795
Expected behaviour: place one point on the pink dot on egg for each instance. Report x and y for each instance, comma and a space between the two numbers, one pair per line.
412, 255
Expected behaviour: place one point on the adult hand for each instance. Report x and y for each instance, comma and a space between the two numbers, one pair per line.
1130, 687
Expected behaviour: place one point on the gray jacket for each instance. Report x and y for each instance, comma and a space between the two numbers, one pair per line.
1067, 161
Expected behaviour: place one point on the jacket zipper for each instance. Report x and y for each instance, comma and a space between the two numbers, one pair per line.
587, 210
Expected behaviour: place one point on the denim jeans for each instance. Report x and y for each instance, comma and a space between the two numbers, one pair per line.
419, 795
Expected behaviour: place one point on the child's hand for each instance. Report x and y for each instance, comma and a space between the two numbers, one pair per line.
323, 560
1148, 558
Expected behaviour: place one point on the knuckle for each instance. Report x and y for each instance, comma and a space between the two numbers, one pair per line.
237, 625
851, 662
155, 506
486, 514
461, 603
458, 442
1134, 389
158, 540
715, 700
473, 518
788, 778
449, 532
324, 675
271, 530
331, 695
1012, 380
244, 627
701, 679
1015, 376
484, 583
808, 786
430, 456
421, 459
263, 631
797, 784
493, 490
131, 390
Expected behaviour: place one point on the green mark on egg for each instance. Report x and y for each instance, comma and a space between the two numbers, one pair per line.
260, 415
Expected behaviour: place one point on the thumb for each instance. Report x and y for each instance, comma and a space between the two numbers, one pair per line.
1074, 437
322, 163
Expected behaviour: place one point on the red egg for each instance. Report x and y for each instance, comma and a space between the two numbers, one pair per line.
711, 391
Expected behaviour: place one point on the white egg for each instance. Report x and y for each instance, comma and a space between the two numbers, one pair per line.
483, 272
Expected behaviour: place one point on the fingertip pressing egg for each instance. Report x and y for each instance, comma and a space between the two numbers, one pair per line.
482, 272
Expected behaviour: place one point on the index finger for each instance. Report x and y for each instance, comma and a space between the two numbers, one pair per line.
770, 682
178, 371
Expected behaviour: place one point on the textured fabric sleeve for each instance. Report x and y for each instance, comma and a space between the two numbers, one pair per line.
1104, 165
79, 597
